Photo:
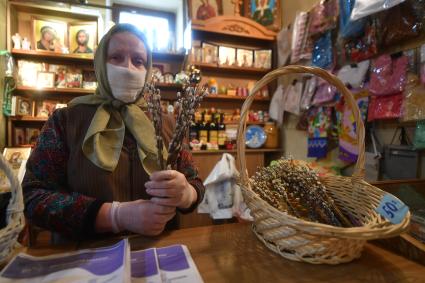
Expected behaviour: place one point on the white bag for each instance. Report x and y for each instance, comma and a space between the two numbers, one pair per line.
354, 75
292, 98
223, 197
276, 105
283, 46
363, 8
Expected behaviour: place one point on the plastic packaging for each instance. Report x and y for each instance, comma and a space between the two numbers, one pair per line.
276, 105
354, 74
364, 8
319, 121
299, 36
325, 93
309, 90
292, 98
385, 107
348, 147
419, 138
363, 47
283, 46
414, 100
398, 24
388, 76
322, 52
323, 17
348, 28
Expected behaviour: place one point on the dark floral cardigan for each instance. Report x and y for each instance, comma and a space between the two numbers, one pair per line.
71, 214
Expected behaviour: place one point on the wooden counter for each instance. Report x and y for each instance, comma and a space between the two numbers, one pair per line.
232, 253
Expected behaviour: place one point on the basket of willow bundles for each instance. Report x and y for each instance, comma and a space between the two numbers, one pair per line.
14, 214
275, 195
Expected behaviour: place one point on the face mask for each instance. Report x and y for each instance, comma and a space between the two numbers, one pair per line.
125, 84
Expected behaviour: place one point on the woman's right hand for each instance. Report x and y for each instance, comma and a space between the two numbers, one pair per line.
139, 216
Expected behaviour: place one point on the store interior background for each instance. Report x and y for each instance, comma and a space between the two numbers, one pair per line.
294, 142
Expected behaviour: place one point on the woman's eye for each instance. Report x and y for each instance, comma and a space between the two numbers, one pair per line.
138, 62
115, 57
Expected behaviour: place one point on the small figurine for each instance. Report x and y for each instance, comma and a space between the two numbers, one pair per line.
16, 41
26, 44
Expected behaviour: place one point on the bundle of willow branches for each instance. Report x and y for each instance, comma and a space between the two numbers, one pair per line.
295, 188
187, 103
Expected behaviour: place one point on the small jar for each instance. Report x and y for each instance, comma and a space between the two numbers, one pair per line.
272, 132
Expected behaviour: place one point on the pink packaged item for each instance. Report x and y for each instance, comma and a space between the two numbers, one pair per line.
292, 98
323, 17
385, 107
325, 93
299, 37
388, 76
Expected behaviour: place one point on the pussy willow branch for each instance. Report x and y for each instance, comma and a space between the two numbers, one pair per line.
188, 102
153, 98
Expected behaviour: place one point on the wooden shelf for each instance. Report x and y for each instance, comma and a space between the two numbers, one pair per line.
73, 91
248, 123
42, 55
231, 69
28, 118
231, 97
169, 86
260, 150
163, 56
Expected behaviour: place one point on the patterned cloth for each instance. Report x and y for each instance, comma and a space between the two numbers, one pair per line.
51, 205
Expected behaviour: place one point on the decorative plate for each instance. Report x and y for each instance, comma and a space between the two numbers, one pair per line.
255, 136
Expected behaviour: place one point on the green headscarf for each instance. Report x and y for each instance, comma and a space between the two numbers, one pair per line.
103, 142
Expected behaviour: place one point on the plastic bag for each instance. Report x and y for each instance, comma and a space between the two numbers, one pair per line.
348, 146
363, 8
414, 100
319, 122
325, 93
276, 105
322, 52
385, 107
283, 46
299, 36
388, 76
398, 24
364, 47
348, 28
323, 17
223, 197
292, 98
354, 74
419, 138
309, 90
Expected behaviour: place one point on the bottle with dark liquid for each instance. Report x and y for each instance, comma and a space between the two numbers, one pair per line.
221, 132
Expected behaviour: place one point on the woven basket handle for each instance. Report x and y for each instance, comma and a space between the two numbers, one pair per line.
295, 69
16, 203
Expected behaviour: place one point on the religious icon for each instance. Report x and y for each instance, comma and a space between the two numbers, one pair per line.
205, 9
82, 37
49, 35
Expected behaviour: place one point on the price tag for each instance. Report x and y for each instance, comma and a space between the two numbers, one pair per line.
392, 209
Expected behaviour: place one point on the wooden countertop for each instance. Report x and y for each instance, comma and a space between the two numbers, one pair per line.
232, 253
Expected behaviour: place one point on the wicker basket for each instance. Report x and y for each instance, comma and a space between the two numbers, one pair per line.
312, 242
14, 215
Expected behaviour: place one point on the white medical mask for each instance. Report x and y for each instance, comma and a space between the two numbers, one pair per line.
125, 84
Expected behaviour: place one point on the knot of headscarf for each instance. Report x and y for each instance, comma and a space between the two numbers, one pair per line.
104, 139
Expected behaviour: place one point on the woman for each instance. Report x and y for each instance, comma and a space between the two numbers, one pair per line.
89, 172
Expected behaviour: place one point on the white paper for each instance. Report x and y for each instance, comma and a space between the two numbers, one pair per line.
364, 8
110, 264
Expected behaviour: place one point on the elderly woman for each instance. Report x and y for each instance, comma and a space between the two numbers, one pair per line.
93, 169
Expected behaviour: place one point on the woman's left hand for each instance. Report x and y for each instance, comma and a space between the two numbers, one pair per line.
170, 188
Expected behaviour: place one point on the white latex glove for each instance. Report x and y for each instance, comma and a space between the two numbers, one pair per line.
140, 216
171, 188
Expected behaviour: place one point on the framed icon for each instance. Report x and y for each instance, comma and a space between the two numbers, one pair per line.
244, 57
227, 56
209, 53
263, 59
45, 79
48, 34
82, 37
24, 106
